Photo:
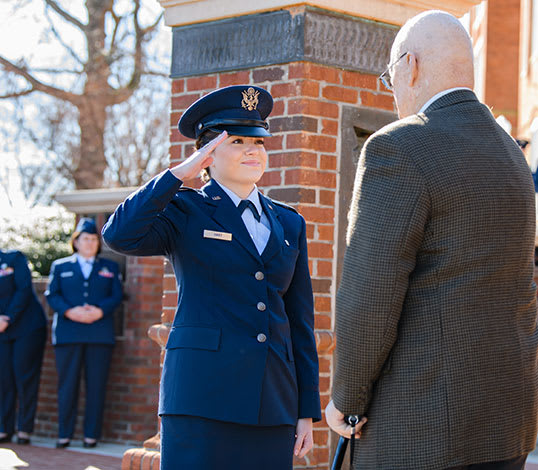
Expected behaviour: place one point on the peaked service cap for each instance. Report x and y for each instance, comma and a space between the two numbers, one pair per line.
238, 109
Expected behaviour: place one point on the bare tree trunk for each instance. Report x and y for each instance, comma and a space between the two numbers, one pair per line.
90, 169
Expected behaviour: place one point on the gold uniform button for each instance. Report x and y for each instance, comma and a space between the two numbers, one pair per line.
259, 276
261, 306
261, 338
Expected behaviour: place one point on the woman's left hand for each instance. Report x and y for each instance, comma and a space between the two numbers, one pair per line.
4, 323
304, 441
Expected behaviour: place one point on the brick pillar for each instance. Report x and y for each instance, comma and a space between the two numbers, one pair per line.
132, 396
305, 156
495, 30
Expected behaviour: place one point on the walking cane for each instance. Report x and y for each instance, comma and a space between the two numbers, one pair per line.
352, 420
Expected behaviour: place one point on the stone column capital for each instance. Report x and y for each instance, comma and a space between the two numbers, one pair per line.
183, 12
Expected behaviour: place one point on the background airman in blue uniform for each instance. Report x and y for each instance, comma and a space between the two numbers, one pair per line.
84, 290
240, 375
23, 331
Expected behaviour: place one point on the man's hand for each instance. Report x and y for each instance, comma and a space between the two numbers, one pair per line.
304, 441
335, 420
4, 323
199, 160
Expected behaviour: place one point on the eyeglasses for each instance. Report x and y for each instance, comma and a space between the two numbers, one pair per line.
385, 76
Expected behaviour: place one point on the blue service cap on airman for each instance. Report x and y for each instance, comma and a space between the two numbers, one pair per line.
238, 109
87, 225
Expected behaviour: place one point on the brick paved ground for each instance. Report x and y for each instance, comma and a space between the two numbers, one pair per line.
42, 458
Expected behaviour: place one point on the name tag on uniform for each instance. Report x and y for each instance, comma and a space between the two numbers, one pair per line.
66, 274
218, 235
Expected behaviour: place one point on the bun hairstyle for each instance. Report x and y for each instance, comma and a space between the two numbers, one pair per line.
205, 138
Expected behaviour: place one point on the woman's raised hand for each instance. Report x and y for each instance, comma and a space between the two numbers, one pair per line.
199, 160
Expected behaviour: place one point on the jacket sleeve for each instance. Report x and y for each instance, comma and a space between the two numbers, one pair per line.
140, 225
299, 304
109, 304
388, 214
54, 293
23, 289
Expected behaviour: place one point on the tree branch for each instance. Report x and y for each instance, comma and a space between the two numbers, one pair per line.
17, 94
66, 16
57, 71
153, 26
37, 85
156, 73
58, 37
117, 20
138, 53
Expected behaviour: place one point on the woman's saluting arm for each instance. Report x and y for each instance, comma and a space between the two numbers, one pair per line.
140, 226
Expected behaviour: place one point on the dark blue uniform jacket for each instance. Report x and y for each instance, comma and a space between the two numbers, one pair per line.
68, 288
17, 297
242, 347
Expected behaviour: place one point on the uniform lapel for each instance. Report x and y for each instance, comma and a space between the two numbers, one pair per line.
276, 239
95, 267
77, 271
227, 215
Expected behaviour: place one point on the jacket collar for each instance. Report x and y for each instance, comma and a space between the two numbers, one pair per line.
76, 265
452, 98
253, 197
227, 216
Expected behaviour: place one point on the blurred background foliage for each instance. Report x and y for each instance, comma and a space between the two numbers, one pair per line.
42, 239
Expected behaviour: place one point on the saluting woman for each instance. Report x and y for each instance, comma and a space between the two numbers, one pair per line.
84, 290
239, 385
23, 332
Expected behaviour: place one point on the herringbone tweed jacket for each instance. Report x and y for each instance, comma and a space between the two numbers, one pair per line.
436, 311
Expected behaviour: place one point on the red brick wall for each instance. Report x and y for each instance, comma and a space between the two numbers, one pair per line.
528, 78
302, 171
132, 392
502, 63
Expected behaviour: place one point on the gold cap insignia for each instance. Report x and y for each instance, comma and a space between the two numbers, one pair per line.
250, 99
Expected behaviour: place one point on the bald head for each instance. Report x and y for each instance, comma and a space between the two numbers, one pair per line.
440, 57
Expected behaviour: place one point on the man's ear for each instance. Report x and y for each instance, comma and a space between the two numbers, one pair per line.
412, 62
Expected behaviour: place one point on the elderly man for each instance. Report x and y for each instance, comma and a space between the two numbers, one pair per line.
436, 312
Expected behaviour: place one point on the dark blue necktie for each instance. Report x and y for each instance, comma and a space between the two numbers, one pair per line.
246, 203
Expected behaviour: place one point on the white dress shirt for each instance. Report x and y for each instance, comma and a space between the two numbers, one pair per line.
86, 265
259, 231
439, 95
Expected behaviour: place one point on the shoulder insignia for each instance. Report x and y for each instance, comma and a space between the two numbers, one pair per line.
187, 188
285, 206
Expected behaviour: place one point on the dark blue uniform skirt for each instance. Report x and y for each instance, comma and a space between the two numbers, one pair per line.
190, 442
